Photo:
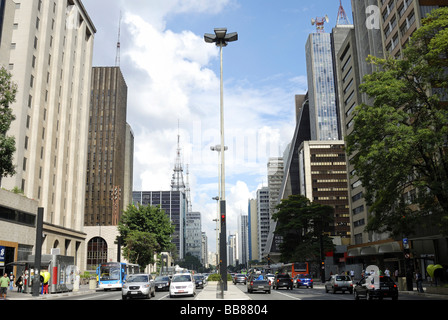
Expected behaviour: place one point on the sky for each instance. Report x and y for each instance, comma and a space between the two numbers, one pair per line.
173, 80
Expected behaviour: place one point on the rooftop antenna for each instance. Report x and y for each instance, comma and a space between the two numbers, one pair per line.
342, 16
177, 182
319, 22
117, 57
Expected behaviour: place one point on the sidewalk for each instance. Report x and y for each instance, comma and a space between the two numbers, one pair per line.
14, 295
212, 291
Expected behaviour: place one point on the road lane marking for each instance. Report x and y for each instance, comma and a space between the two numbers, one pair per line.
292, 297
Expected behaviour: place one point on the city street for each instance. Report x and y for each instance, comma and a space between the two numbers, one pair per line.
316, 293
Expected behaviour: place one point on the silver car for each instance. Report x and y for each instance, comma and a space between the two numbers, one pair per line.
138, 285
339, 283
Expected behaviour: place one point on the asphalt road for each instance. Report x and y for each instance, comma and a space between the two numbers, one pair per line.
316, 293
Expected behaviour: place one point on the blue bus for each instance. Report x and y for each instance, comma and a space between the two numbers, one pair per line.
111, 275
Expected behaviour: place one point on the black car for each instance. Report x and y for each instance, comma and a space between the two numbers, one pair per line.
366, 288
162, 283
199, 281
283, 280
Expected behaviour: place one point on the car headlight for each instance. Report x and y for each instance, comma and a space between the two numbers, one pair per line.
125, 286
146, 286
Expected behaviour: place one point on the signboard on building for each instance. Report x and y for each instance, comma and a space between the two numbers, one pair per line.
2, 256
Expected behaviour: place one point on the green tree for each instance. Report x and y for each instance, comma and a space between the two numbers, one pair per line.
190, 262
8, 90
145, 231
304, 226
399, 143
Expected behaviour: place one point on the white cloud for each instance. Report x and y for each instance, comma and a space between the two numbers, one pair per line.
171, 82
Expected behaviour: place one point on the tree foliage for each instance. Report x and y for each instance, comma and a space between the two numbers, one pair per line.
8, 90
399, 143
145, 231
303, 225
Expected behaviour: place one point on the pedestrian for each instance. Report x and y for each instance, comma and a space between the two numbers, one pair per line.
396, 274
19, 283
387, 272
352, 274
419, 280
4, 284
11, 280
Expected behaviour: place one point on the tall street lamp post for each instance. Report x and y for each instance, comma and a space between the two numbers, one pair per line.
221, 38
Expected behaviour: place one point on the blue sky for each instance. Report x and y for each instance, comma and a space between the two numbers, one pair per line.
173, 87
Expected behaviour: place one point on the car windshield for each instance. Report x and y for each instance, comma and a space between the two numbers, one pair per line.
182, 278
198, 277
240, 275
304, 276
343, 278
162, 279
285, 276
137, 278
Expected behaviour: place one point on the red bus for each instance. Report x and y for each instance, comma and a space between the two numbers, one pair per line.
295, 268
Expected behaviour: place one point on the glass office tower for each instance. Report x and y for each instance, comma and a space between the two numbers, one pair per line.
321, 87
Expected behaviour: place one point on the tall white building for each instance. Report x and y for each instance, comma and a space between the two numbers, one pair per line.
263, 219
50, 58
243, 239
275, 178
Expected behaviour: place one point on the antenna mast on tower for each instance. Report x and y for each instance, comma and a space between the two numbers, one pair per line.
342, 16
177, 182
319, 22
117, 57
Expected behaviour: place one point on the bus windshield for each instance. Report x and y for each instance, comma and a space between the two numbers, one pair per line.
110, 272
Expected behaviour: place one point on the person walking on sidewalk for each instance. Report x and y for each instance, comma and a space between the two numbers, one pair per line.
11, 281
4, 284
419, 280
19, 283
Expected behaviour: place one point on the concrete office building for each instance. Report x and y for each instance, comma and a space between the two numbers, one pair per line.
263, 219
50, 58
381, 28
253, 243
243, 239
275, 178
205, 259
323, 179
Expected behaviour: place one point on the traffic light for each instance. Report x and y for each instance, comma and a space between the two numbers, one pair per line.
223, 218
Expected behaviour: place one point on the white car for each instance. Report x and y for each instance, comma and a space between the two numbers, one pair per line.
182, 284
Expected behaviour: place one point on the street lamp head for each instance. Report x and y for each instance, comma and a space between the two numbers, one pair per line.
221, 38
220, 32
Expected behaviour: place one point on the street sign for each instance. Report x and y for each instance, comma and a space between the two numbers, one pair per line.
2, 256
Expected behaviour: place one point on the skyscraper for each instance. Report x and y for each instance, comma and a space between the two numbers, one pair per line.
321, 87
50, 58
107, 148
263, 219
109, 164
193, 235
